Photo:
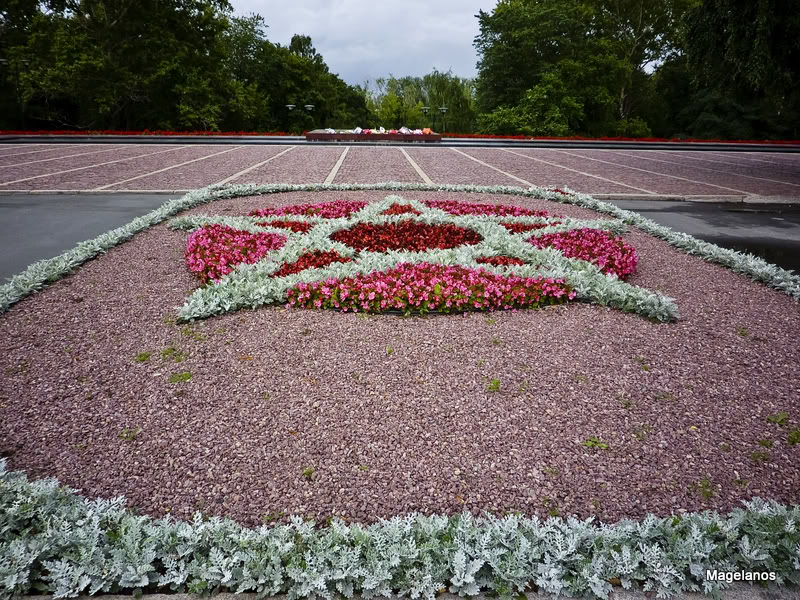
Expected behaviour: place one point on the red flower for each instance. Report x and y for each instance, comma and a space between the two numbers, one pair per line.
405, 235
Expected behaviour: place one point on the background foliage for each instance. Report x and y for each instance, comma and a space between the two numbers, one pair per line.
632, 68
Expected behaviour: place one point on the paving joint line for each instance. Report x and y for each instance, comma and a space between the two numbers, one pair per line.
111, 162
255, 166
41, 160
188, 162
722, 187
579, 172
672, 162
514, 177
417, 168
335, 170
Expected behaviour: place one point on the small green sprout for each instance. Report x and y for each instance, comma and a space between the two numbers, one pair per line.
779, 418
308, 472
494, 385
142, 357
704, 488
596, 442
181, 377
129, 433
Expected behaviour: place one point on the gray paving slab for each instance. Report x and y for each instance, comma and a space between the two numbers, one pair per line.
38, 226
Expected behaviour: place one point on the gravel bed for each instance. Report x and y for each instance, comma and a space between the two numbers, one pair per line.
302, 165
155, 158
375, 164
12, 158
730, 179
13, 173
540, 173
648, 181
275, 393
443, 165
204, 172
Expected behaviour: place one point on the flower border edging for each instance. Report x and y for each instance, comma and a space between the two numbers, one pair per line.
39, 274
55, 541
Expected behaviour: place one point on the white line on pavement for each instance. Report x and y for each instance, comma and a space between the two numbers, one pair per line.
417, 168
547, 162
514, 177
672, 162
54, 147
188, 162
41, 160
332, 175
255, 166
111, 162
722, 187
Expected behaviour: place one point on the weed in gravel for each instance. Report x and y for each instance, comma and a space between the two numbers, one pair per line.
272, 517
626, 403
551, 471
765, 443
491, 321
306, 331
19, 369
129, 433
494, 385
307, 473
363, 468
174, 354
193, 334
760, 456
168, 320
389, 350
742, 331
142, 356
642, 362
81, 446
703, 488
779, 418
725, 447
523, 387
550, 505
793, 437
665, 397
743, 483
480, 362
496, 341
596, 442
642, 431
181, 377
580, 378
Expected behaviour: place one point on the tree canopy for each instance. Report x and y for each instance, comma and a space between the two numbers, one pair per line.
634, 68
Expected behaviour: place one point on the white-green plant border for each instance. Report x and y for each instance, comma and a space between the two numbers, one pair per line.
254, 285
55, 541
41, 273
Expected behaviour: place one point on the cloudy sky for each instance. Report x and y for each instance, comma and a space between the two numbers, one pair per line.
366, 39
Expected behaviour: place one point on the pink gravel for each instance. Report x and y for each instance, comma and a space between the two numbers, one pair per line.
303, 164
375, 164
732, 177
65, 162
543, 174
276, 391
443, 165
154, 158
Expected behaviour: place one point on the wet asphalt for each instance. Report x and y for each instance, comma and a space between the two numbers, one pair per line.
39, 226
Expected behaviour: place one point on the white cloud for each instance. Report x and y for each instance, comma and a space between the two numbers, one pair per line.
365, 39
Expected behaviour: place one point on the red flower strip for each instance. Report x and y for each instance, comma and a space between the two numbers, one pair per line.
523, 227
311, 260
500, 261
405, 235
296, 226
401, 209
454, 207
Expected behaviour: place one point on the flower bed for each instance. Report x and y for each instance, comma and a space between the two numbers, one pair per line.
213, 251
406, 255
424, 287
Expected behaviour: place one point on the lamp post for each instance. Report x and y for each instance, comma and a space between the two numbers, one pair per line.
425, 109
443, 110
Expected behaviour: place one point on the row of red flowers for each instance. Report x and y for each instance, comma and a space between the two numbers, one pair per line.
169, 133
423, 287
